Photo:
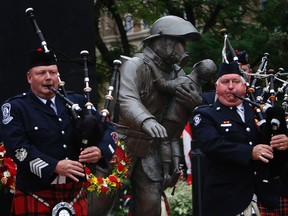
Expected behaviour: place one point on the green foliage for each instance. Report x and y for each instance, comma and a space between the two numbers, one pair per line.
274, 16
207, 48
142, 10
119, 208
181, 202
249, 26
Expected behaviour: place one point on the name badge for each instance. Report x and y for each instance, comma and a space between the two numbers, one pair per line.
226, 124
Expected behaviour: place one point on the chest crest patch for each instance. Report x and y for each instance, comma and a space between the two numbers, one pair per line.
21, 154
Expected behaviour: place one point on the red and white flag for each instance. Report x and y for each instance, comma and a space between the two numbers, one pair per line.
187, 138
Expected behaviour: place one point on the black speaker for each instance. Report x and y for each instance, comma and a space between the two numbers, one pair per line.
68, 27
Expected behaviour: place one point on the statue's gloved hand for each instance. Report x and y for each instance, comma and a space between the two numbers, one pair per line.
154, 129
187, 95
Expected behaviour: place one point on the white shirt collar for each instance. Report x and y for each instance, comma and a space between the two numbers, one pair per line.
240, 107
44, 100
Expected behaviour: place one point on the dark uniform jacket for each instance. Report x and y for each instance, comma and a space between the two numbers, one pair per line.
36, 138
227, 142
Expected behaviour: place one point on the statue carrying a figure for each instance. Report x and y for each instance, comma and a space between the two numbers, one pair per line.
156, 99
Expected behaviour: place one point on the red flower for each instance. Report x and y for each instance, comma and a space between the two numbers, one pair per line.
87, 170
100, 180
120, 153
87, 184
104, 189
2, 149
112, 178
10, 164
120, 167
127, 196
119, 184
126, 174
126, 159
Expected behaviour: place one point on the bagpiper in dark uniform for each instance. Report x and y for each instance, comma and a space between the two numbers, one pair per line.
228, 143
38, 138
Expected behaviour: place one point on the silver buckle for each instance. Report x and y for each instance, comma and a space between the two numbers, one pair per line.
63, 209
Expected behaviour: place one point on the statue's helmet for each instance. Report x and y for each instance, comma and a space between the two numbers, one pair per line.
172, 26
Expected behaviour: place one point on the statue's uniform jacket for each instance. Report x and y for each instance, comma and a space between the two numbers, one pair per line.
140, 100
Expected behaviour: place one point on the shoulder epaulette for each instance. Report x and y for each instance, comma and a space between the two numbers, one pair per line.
24, 94
203, 106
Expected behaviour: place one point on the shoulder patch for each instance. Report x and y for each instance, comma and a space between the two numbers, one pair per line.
6, 109
114, 136
197, 119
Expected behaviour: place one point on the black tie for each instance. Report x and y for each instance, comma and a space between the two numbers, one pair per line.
240, 112
49, 103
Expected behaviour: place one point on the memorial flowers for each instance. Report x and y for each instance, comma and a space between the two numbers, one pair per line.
8, 170
119, 175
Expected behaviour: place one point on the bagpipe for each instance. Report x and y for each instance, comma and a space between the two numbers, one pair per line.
270, 116
88, 126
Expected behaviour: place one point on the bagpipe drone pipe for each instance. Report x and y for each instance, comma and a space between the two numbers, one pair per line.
88, 125
271, 108
270, 116
271, 119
